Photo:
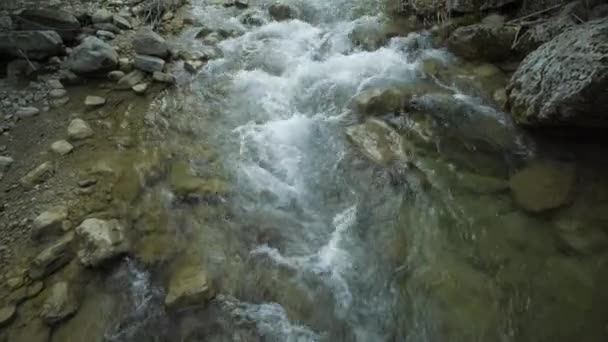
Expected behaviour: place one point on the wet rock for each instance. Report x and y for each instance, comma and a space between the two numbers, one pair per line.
140, 89
33, 44
62, 147
122, 22
93, 55
5, 163
131, 79
184, 184
149, 63
60, 304
54, 84
280, 12
7, 314
49, 223
188, 286
79, 129
27, 112
94, 101
105, 35
64, 23
581, 235
193, 66
378, 102
483, 42
253, 18
148, 42
102, 16
543, 185
57, 93
100, 241
554, 88
377, 141
163, 77
38, 175
368, 34
53, 257
34, 330
116, 75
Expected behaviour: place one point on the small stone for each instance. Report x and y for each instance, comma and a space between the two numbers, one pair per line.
7, 314
105, 35
57, 93
125, 65
56, 103
62, 147
102, 16
87, 182
122, 22
163, 77
140, 88
149, 63
49, 223
79, 129
116, 75
101, 241
131, 79
26, 112
5, 163
38, 175
60, 304
54, 84
94, 101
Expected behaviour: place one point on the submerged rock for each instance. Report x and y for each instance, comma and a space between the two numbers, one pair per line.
188, 286
60, 304
378, 141
564, 82
543, 185
280, 12
101, 241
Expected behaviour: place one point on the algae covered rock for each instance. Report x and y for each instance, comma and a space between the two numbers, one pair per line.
543, 185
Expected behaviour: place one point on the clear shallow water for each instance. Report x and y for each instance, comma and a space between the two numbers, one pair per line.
319, 244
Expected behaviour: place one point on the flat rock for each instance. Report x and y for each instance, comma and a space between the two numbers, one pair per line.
60, 304
57, 93
100, 241
94, 101
7, 314
49, 223
56, 103
188, 286
79, 129
140, 89
27, 112
121, 22
131, 79
53, 257
38, 175
62, 147
163, 77
148, 42
543, 185
149, 63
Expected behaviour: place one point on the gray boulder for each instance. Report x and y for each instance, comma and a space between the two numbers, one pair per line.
149, 63
64, 23
488, 43
564, 82
33, 44
148, 42
93, 55
100, 241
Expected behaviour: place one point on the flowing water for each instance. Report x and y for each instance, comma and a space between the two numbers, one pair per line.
317, 243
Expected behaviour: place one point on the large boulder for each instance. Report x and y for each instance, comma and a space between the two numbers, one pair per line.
93, 55
148, 42
31, 44
490, 43
64, 23
564, 82
100, 241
